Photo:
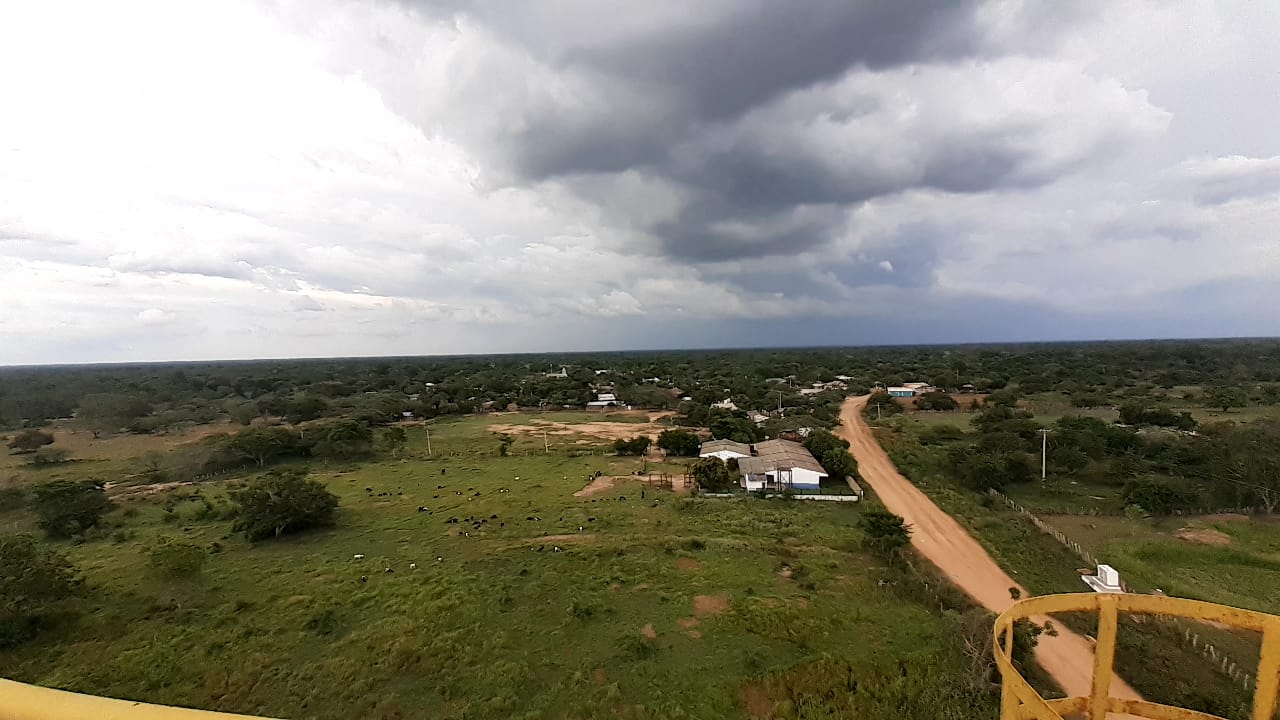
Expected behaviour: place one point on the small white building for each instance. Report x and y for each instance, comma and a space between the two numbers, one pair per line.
725, 404
1107, 580
603, 401
757, 417
724, 449
781, 465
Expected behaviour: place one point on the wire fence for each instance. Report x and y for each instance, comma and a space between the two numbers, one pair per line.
1217, 659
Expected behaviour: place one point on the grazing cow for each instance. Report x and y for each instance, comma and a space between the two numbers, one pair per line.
413, 566
389, 571
364, 578
555, 548
358, 556
421, 509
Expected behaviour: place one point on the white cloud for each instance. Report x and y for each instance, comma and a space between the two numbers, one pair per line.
348, 180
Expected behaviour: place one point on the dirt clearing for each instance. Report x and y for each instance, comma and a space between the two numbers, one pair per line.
688, 563
601, 429
597, 486
1204, 536
648, 631
705, 605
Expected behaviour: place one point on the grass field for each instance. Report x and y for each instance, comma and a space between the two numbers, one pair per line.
655, 605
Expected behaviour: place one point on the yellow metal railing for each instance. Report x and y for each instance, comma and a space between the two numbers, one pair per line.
30, 702
1019, 701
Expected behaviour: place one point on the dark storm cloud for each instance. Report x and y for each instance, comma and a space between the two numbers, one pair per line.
723, 103
723, 69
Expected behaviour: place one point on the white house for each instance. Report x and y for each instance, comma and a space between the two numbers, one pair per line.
903, 391
725, 404
757, 417
724, 449
603, 401
780, 465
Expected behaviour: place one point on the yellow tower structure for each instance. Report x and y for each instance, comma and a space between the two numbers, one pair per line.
1019, 701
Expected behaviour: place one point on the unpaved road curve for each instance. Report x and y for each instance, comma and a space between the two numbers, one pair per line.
1068, 658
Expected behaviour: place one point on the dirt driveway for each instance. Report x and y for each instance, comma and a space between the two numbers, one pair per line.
1068, 658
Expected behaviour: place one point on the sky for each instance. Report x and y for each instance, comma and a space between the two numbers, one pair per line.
213, 179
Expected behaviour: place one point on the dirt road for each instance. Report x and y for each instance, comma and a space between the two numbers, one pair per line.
1068, 658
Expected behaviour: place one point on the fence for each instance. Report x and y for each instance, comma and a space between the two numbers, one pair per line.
1117, 512
1217, 658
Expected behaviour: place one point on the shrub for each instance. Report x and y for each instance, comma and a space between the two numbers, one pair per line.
638, 445
681, 443
936, 401
12, 497
175, 559
886, 533
69, 507
29, 440
49, 456
35, 584
1157, 496
711, 474
283, 502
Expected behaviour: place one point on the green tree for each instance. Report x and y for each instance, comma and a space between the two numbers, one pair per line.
283, 502
393, 439
264, 444
1157, 496
30, 440
109, 412
886, 532
341, 439
711, 474
36, 583
832, 452
936, 401
638, 445
1225, 397
881, 403
681, 443
69, 507
1249, 458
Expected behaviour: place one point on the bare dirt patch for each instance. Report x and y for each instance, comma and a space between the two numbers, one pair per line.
688, 623
566, 539
602, 429
695, 634
1204, 536
786, 572
706, 605
688, 563
648, 631
759, 705
597, 486
641, 586
599, 676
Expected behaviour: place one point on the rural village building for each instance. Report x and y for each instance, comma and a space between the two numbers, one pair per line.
769, 465
725, 449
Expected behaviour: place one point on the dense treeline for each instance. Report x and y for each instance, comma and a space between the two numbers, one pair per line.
150, 397
1164, 465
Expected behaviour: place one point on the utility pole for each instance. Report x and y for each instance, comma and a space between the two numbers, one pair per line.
546, 447
779, 403
1044, 451
428, 429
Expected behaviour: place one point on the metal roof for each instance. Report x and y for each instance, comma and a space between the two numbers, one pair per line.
780, 454
711, 446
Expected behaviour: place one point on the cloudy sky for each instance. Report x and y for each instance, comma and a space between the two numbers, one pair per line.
259, 178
